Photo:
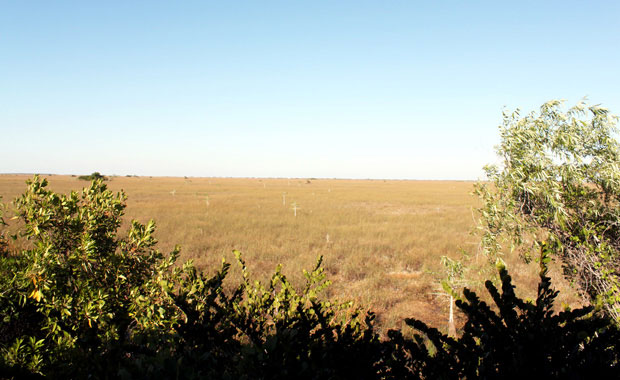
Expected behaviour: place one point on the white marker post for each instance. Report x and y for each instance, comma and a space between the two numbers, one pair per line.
295, 208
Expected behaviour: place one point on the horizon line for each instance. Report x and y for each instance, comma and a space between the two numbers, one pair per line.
247, 177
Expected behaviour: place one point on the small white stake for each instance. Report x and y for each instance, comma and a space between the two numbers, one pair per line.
295, 208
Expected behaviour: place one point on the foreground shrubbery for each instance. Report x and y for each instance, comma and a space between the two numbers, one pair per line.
77, 300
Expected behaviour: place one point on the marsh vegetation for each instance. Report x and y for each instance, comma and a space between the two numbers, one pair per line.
382, 241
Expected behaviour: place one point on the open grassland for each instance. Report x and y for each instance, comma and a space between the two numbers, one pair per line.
381, 240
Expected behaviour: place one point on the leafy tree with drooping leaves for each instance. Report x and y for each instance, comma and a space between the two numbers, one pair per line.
558, 185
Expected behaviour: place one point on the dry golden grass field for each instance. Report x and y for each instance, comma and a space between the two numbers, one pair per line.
381, 240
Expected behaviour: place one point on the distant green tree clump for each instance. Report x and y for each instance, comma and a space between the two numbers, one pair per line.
558, 185
93, 176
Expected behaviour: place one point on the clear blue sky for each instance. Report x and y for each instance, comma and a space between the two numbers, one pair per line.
355, 89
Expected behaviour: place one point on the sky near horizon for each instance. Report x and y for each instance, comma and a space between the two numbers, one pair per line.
345, 89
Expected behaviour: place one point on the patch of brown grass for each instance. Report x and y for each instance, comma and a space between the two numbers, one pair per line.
381, 240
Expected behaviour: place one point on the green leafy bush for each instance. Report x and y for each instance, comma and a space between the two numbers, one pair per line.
83, 301
79, 291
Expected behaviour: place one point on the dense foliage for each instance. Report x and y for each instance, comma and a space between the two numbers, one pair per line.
559, 185
518, 340
80, 300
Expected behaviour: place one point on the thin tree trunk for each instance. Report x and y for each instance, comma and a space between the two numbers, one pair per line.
451, 327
